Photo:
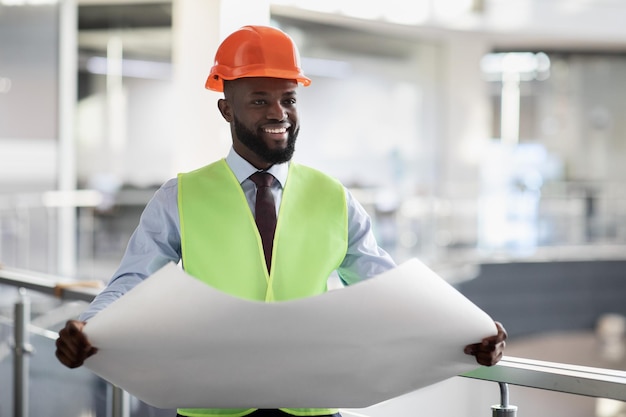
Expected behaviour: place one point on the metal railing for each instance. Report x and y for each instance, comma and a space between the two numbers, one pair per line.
565, 378
60, 288
572, 379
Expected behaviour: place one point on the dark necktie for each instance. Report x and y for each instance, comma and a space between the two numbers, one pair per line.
265, 212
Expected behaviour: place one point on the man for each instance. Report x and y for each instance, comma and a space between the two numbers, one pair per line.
206, 218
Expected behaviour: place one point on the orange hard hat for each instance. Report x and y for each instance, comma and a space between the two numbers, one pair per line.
256, 51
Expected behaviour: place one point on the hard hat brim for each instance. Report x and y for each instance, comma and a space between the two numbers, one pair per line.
215, 82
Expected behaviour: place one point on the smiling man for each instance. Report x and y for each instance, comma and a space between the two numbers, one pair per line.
263, 117
254, 224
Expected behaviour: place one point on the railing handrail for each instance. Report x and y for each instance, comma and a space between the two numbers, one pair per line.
63, 288
552, 376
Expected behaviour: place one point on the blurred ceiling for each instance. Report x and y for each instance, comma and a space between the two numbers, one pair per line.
563, 25
145, 27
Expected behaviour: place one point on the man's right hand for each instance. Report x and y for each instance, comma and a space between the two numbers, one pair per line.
72, 345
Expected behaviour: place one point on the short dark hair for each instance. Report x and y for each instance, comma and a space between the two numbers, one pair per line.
228, 88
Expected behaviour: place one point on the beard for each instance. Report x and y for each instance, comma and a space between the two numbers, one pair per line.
255, 143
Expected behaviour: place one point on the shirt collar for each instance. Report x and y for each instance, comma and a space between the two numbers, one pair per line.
243, 169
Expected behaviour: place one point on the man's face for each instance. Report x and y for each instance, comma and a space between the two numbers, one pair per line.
263, 118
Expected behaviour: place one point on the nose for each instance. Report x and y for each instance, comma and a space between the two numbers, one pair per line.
276, 112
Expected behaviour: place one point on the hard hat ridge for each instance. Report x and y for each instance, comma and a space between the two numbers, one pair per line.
256, 51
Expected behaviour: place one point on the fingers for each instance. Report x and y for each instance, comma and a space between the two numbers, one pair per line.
493, 342
489, 358
491, 349
472, 349
486, 354
502, 335
72, 346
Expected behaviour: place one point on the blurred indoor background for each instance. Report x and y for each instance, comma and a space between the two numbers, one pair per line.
484, 137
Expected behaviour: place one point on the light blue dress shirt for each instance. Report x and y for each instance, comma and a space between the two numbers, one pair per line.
156, 240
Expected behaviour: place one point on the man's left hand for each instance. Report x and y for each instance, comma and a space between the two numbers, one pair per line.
490, 350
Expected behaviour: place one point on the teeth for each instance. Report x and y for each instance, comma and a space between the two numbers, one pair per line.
281, 130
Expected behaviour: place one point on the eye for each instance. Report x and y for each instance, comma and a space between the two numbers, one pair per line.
290, 101
259, 102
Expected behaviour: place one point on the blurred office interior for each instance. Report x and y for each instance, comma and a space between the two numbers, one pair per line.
484, 137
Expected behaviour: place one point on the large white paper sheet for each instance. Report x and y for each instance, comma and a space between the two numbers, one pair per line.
175, 342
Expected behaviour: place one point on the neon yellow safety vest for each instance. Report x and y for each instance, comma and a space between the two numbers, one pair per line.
222, 246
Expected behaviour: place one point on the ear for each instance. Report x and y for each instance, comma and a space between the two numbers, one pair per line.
224, 106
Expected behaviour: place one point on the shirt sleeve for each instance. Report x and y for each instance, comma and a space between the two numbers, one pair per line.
364, 258
154, 243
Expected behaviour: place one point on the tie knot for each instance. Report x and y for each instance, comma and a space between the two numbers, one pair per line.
262, 179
